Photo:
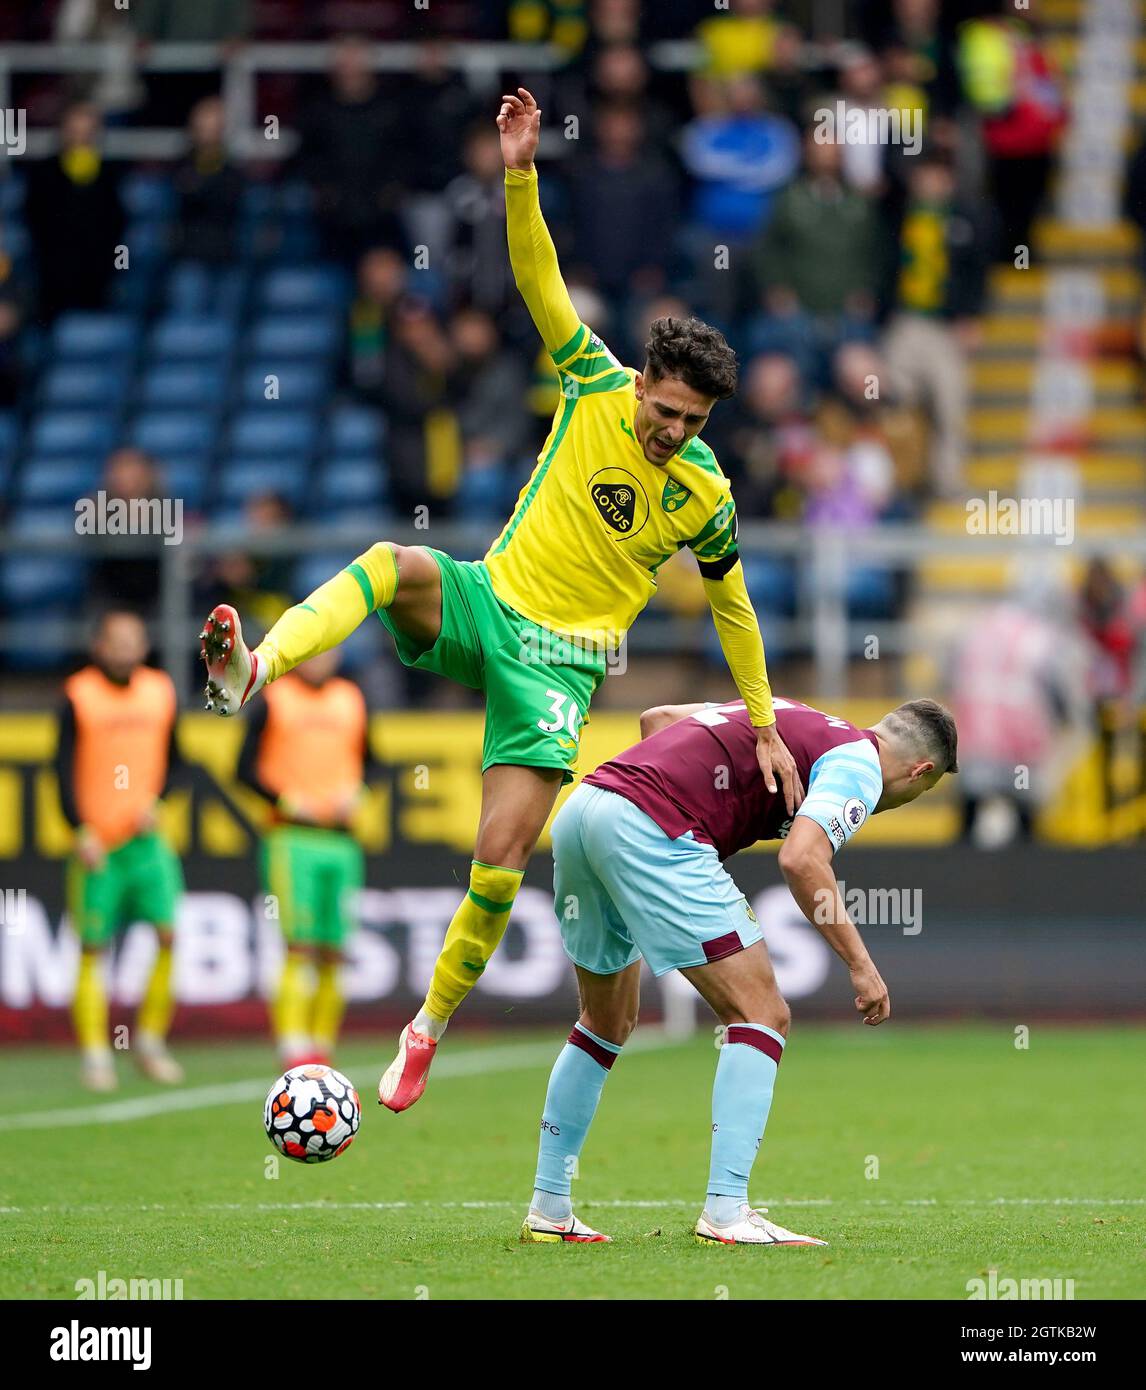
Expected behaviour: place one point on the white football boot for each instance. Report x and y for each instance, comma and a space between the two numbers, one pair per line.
234, 672
750, 1228
97, 1071
155, 1062
539, 1228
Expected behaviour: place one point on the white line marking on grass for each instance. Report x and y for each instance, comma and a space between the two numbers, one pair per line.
476, 1062
617, 1203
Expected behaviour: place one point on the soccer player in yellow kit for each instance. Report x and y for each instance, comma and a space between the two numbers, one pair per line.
620, 486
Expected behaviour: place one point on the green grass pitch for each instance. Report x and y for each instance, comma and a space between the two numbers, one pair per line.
1028, 1162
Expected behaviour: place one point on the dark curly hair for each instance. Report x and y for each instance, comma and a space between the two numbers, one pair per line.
693, 352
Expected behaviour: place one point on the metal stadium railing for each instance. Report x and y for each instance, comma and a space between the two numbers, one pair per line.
823, 559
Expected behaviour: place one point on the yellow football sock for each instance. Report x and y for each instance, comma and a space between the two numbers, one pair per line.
329, 615
158, 1006
89, 1007
327, 1007
473, 936
290, 1007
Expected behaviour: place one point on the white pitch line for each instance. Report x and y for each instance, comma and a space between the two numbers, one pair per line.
616, 1203
478, 1062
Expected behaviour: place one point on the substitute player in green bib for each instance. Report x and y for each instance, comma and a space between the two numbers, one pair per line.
622, 483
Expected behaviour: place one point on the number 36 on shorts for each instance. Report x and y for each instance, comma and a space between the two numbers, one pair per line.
565, 714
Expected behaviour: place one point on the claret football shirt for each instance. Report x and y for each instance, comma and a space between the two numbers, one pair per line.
701, 775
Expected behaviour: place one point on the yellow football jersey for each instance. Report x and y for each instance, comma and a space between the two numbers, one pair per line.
596, 520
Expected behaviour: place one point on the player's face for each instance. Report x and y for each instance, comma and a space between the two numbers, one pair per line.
120, 646
669, 414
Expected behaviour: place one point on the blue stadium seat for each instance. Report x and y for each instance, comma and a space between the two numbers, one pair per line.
93, 336
9, 433
303, 289
355, 429
55, 520
282, 433
193, 337
175, 432
27, 580
241, 480
196, 288
172, 386
83, 385
72, 433
771, 584
376, 519
300, 384
345, 484
12, 189
484, 493
148, 197
56, 480
296, 335
188, 478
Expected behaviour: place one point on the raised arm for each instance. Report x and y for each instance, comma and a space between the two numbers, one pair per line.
531, 251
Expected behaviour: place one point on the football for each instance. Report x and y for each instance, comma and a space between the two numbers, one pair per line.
312, 1113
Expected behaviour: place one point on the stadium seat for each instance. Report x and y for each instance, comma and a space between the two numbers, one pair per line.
295, 335
355, 429
82, 385
148, 197
183, 385
36, 579
188, 478
345, 484
303, 289
93, 336
175, 433
72, 433
241, 480
56, 480
484, 493
12, 189
300, 384
58, 520
192, 337
282, 433
194, 287
9, 433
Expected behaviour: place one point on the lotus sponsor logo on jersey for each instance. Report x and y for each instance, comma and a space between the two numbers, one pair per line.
674, 496
620, 499
855, 813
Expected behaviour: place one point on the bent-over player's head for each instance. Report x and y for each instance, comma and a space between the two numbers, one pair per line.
918, 743
688, 368
119, 644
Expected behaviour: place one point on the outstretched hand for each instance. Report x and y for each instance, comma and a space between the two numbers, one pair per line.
519, 122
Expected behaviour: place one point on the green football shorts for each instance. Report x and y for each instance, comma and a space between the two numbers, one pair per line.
537, 684
313, 874
140, 881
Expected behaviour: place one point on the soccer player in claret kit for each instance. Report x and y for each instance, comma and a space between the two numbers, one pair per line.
620, 486
638, 853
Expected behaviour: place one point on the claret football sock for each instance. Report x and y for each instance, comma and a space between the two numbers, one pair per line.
741, 1099
477, 927
89, 1007
575, 1086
